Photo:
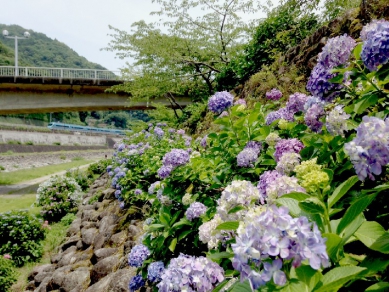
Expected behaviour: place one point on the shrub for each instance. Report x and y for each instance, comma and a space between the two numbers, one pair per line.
29, 143
58, 196
13, 142
21, 234
57, 143
83, 178
99, 167
68, 219
63, 157
8, 274
77, 158
2, 167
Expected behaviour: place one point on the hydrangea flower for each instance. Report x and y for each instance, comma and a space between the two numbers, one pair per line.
312, 117
153, 187
181, 132
272, 139
318, 83
375, 50
274, 94
315, 181
271, 238
136, 283
247, 157
282, 113
203, 142
369, 150
337, 51
187, 199
158, 132
220, 101
281, 186
208, 233
164, 171
296, 102
176, 157
369, 29
223, 114
336, 121
155, 271
138, 192
266, 179
307, 167
188, 273
240, 101
288, 162
238, 193
138, 255
195, 210
287, 145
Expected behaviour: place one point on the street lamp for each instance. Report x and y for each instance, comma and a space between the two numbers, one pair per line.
26, 36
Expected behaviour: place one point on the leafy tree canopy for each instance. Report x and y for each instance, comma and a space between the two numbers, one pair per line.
184, 56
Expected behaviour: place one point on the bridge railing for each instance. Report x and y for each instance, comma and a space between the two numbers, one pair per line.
59, 73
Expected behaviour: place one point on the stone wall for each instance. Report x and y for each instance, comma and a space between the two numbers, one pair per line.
93, 257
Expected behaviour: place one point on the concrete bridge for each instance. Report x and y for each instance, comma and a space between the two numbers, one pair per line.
44, 90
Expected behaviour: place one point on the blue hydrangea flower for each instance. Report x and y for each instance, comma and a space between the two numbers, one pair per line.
312, 117
136, 283
296, 102
375, 49
282, 113
138, 255
176, 157
318, 83
158, 132
195, 210
155, 271
164, 171
337, 51
265, 180
369, 29
220, 101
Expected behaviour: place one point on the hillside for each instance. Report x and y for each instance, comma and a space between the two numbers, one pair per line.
40, 51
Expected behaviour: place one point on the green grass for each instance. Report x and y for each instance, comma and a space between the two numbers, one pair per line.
14, 177
17, 202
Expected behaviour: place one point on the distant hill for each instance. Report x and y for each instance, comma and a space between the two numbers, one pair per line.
40, 51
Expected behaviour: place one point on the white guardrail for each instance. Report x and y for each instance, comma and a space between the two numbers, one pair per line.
59, 73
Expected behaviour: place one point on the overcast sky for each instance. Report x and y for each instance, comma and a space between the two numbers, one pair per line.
80, 24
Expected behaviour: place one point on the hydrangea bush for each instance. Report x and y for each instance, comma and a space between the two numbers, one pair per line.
58, 196
287, 199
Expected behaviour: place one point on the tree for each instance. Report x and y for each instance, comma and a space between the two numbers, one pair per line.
188, 52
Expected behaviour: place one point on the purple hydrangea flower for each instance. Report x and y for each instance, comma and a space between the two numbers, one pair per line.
266, 179
181, 132
138, 192
318, 83
282, 113
136, 283
122, 205
287, 145
274, 94
172, 131
247, 157
369, 29
336, 121
121, 147
369, 150
158, 132
269, 238
138, 255
155, 271
187, 273
164, 171
203, 142
153, 186
176, 157
220, 101
296, 102
288, 162
255, 145
337, 51
195, 210
109, 168
312, 117
223, 114
240, 101
375, 49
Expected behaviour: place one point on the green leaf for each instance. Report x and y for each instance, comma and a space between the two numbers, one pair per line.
220, 255
153, 227
357, 51
353, 211
241, 287
378, 287
381, 244
164, 218
334, 279
173, 244
297, 196
308, 276
333, 244
295, 286
369, 232
184, 234
366, 102
229, 225
312, 205
182, 222
341, 190
220, 286
337, 79
291, 204
236, 209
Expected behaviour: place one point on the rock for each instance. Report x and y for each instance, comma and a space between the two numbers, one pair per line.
57, 258
101, 240
109, 194
87, 225
88, 236
41, 276
71, 241
104, 267
120, 279
89, 215
107, 222
102, 253
68, 259
101, 286
133, 232
79, 278
30, 286
39, 269
43, 285
58, 277
118, 239
74, 227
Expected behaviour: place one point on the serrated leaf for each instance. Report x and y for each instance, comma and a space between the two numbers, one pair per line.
353, 211
334, 279
312, 205
341, 190
229, 225
369, 232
